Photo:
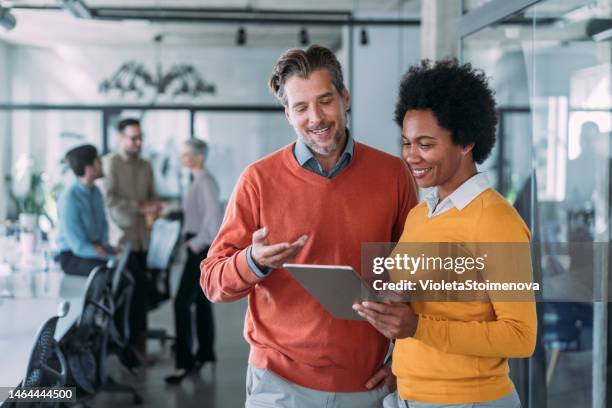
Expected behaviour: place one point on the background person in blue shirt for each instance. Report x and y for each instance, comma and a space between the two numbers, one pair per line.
83, 228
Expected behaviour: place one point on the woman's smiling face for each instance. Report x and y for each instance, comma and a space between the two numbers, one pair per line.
433, 158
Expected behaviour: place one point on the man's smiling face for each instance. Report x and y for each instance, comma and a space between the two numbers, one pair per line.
317, 111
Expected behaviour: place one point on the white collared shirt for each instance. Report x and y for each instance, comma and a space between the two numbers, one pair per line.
202, 210
459, 198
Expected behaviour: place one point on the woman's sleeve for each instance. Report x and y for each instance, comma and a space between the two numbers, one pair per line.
512, 333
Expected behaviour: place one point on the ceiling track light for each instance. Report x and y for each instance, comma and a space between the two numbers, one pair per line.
363, 37
7, 19
78, 8
304, 37
241, 36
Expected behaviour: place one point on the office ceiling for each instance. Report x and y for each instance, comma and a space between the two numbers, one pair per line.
550, 21
263, 4
42, 22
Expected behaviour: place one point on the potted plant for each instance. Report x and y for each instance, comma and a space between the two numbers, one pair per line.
28, 197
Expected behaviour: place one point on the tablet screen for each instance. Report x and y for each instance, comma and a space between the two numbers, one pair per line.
335, 287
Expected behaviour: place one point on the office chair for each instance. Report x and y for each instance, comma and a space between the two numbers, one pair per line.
116, 340
122, 288
164, 238
47, 366
84, 343
86, 347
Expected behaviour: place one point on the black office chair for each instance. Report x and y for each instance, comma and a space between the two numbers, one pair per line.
116, 341
86, 347
122, 288
47, 366
85, 342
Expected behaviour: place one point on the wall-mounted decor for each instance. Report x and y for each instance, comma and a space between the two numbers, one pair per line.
133, 77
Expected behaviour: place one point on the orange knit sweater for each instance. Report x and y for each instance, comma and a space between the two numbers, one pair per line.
290, 333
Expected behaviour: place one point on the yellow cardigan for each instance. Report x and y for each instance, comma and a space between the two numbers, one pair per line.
459, 353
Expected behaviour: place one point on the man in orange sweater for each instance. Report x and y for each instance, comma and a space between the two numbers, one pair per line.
314, 201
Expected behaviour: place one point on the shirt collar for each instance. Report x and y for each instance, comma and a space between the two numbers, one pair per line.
82, 187
125, 156
303, 153
200, 173
461, 197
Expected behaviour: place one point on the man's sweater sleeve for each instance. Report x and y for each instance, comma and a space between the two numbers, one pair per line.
225, 273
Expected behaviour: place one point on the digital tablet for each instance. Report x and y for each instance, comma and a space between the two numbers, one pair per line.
335, 287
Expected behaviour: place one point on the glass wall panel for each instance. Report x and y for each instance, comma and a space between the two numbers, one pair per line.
46, 136
63, 71
509, 168
551, 66
238, 139
163, 133
69, 73
40, 139
571, 76
500, 51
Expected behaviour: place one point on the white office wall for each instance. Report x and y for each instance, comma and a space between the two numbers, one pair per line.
72, 75
378, 67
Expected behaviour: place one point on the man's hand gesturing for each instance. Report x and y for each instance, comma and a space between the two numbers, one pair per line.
274, 255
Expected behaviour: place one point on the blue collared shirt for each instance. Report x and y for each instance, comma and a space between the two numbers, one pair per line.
82, 221
307, 160
459, 198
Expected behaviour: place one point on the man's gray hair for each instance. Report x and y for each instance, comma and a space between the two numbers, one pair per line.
198, 146
302, 63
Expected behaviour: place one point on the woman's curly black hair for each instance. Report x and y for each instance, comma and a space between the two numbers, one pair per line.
460, 98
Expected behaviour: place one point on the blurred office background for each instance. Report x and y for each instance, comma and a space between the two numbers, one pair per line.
69, 70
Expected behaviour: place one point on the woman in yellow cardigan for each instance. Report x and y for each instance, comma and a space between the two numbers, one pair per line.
453, 354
